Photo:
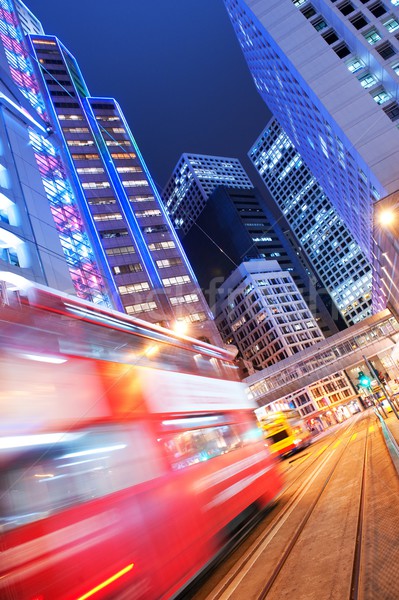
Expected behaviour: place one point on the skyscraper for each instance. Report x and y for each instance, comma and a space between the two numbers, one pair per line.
236, 225
333, 86
144, 266
261, 311
330, 247
36, 171
216, 207
29, 243
194, 178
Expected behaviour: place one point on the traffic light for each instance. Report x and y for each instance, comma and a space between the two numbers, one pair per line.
364, 381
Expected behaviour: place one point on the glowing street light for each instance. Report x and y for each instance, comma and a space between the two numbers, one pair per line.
386, 217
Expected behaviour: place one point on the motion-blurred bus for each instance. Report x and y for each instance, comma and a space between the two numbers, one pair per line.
285, 432
129, 455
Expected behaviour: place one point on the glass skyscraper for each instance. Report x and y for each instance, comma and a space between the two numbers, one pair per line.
116, 206
329, 73
321, 233
217, 209
88, 280
193, 179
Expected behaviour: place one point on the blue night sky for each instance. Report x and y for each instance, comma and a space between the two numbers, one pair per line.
175, 67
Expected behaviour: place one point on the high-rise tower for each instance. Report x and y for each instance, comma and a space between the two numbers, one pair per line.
140, 256
321, 233
43, 233
145, 260
334, 88
218, 210
194, 178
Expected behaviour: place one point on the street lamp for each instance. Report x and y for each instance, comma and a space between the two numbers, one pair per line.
386, 217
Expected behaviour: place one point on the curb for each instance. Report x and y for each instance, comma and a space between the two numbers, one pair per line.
392, 445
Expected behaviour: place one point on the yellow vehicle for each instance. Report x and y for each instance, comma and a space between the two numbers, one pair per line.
285, 432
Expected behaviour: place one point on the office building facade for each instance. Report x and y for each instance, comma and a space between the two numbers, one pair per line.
333, 86
30, 246
145, 269
46, 238
151, 275
329, 246
194, 178
260, 310
236, 225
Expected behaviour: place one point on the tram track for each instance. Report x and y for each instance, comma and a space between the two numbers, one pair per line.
233, 581
355, 581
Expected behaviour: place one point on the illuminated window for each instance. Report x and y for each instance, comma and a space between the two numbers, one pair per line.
115, 130
85, 157
161, 246
95, 185
100, 201
368, 80
141, 198
120, 251
148, 213
7, 211
80, 143
108, 217
132, 169
381, 96
176, 280
372, 36
75, 130
133, 288
155, 229
44, 42
320, 24
186, 299
105, 118
123, 155
89, 170
355, 65
169, 262
13, 249
135, 183
392, 24
195, 317
118, 143
395, 67
131, 268
134, 309
70, 117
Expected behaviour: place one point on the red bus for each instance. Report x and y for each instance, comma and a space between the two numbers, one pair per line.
128, 453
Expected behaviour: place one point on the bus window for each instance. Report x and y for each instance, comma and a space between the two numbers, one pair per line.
189, 447
99, 461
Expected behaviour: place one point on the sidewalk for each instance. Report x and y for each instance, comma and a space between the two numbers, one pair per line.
390, 429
